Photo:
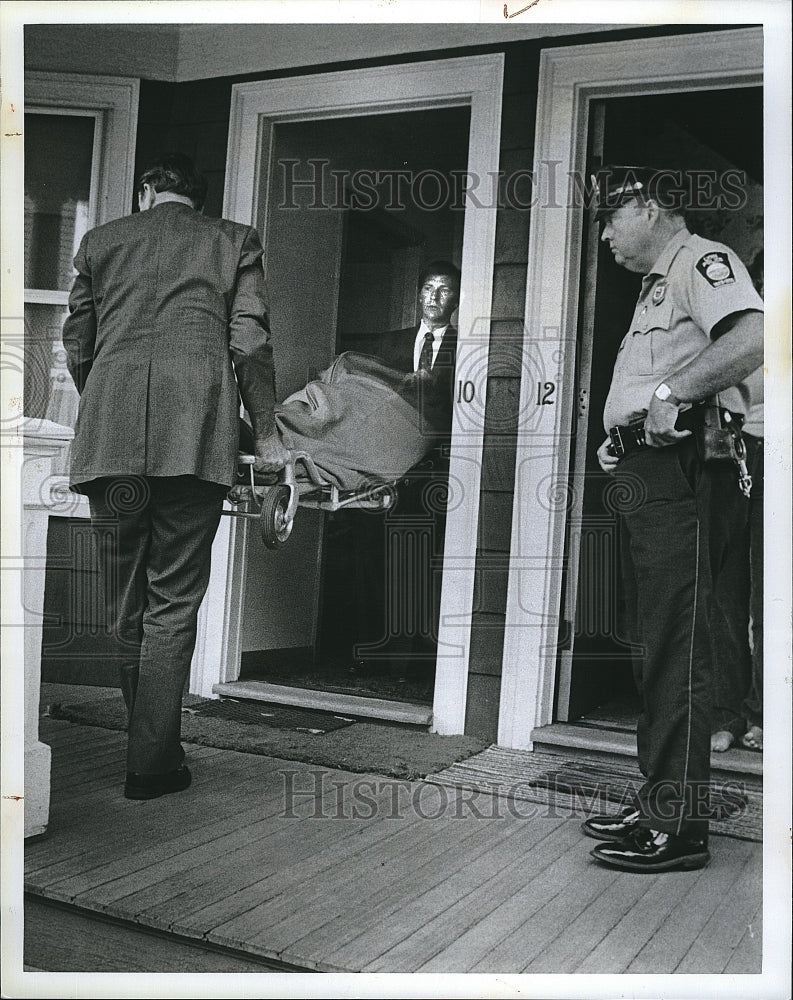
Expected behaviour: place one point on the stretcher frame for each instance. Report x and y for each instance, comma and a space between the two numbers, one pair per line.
274, 505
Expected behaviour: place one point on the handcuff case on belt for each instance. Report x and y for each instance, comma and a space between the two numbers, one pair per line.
716, 431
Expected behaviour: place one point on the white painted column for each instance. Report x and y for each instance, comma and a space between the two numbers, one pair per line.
42, 494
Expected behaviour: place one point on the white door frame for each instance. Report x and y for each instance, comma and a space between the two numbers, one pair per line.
475, 82
570, 78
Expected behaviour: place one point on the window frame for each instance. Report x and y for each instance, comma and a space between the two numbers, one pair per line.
53, 296
113, 104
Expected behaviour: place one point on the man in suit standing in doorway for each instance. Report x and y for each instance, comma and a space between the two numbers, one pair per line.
428, 351
168, 329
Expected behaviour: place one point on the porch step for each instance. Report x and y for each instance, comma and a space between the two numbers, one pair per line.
405, 712
611, 742
63, 937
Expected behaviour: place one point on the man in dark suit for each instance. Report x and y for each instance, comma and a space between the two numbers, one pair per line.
168, 328
407, 586
429, 350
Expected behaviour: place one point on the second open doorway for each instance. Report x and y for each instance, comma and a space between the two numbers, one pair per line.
709, 132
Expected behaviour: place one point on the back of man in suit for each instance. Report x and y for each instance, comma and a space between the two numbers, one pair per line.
167, 329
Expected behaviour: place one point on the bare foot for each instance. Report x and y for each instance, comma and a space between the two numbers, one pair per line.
721, 741
753, 738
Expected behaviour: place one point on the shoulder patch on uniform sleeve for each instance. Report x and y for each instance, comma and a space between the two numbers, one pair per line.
716, 269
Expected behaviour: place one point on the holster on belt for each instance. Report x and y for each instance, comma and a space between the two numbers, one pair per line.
716, 431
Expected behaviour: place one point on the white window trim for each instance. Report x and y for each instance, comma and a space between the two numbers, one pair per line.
115, 101
60, 297
570, 78
113, 104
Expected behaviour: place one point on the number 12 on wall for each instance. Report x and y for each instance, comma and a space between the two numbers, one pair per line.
545, 391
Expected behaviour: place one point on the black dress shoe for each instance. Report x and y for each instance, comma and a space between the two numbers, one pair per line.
612, 826
152, 786
648, 851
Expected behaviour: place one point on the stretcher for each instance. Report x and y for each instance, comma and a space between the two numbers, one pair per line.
299, 484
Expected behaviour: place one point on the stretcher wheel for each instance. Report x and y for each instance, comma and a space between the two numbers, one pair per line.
273, 522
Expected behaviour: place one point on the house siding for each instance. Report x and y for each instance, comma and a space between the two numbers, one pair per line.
521, 71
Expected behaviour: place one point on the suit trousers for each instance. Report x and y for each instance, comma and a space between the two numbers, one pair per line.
154, 537
677, 516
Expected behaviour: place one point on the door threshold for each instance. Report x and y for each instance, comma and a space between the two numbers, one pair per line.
408, 713
611, 742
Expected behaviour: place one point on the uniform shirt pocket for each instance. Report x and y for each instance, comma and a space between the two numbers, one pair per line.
650, 340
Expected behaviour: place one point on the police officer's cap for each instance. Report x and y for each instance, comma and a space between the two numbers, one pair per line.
615, 186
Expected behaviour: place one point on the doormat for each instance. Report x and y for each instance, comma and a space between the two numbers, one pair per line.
249, 713
362, 746
581, 788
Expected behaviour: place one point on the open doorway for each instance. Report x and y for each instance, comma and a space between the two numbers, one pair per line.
709, 131
355, 207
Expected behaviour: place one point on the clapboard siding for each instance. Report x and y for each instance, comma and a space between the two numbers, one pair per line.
506, 349
512, 236
509, 290
503, 389
494, 521
490, 585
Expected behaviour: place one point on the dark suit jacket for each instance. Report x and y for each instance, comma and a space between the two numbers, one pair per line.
167, 307
395, 349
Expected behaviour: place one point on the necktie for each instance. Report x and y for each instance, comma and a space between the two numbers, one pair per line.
425, 358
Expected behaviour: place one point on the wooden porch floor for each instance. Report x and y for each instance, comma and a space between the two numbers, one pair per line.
338, 872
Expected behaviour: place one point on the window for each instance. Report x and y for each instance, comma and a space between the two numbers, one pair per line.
79, 155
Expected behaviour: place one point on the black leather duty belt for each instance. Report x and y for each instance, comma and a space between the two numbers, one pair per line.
627, 438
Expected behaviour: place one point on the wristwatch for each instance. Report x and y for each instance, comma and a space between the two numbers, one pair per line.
665, 394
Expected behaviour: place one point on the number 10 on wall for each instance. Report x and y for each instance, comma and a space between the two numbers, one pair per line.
466, 391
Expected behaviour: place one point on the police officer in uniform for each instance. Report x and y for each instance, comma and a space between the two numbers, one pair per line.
697, 331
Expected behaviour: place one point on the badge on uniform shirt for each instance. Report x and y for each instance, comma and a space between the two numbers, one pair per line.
716, 269
658, 293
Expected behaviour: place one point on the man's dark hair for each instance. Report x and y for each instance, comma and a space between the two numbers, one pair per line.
177, 173
440, 267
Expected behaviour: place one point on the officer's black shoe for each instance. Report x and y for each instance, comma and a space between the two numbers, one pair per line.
650, 851
152, 786
612, 826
